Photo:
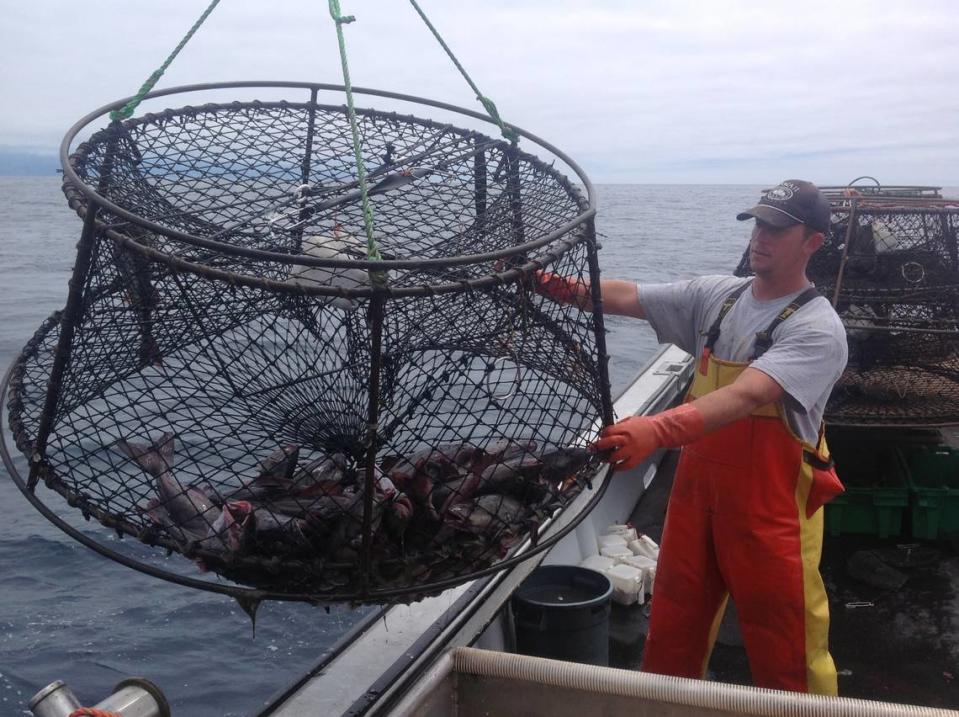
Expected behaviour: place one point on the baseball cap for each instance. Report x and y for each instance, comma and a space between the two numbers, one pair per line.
792, 202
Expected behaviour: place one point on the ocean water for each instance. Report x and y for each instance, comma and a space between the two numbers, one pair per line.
70, 614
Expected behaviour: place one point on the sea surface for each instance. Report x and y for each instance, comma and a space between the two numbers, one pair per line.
70, 614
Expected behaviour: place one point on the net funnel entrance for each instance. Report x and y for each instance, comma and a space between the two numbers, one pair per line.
890, 265
234, 381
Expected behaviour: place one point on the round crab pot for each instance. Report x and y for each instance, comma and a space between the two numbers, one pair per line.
241, 376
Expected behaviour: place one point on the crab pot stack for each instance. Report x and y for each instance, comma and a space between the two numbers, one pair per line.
234, 380
890, 265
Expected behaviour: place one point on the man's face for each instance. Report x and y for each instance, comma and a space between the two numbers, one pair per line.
774, 251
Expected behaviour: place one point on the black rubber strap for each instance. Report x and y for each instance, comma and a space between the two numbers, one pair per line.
764, 339
712, 336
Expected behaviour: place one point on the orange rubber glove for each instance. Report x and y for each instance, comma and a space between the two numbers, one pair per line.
560, 288
634, 439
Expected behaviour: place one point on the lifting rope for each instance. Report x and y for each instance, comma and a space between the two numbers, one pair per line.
487, 103
339, 19
128, 109
372, 248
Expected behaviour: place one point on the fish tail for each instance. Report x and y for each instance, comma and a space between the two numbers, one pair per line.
155, 458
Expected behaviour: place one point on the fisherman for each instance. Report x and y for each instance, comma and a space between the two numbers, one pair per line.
744, 514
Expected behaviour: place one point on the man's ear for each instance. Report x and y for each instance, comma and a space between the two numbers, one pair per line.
815, 241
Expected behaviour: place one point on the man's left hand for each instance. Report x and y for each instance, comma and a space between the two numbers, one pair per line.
631, 441
634, 439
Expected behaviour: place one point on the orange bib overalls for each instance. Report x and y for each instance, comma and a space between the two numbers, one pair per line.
744, 519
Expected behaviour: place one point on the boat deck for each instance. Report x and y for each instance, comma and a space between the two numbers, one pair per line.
895, 645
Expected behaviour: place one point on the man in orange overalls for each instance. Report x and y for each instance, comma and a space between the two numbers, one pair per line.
744, 514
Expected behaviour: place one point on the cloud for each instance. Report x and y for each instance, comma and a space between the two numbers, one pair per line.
635, 91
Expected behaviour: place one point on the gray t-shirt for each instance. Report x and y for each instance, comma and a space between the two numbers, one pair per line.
808, 352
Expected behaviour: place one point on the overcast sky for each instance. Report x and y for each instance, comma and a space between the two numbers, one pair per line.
712, 91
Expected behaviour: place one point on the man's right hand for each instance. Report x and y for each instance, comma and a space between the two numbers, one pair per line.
561, 289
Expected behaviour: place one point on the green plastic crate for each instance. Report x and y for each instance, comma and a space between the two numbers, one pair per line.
870, 511
934, 492
877, 488
934, 467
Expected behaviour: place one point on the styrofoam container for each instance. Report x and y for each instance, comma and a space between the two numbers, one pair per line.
646, 565
617, 552
627, 531
640, 562
599, 563
605, 540
627, 584
646, 546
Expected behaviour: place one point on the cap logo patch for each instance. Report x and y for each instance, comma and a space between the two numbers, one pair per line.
781, 193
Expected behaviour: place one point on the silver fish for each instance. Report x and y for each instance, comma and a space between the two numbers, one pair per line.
280, 477
560, 464
234, 527
488, 513
322, 476
418, 487
188, 508
349, 527
501, 450
444, 495
280, 465
516, 468
279, 533
328, 469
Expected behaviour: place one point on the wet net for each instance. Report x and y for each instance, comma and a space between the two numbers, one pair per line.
890, 266
234, 381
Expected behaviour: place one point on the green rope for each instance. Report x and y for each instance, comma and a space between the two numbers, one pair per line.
487, 103
372, 249
129, 107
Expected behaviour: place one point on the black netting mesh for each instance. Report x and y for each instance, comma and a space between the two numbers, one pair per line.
217, 397
896, 288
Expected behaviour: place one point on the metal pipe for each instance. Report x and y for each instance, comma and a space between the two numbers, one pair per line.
68, 324
105, 110
54, 700
306, 167
479, 189
385, 265
93, 195
377, 306
845, 249
71, 314
133, 697
867, 327
596, 297
136, 697
515, 198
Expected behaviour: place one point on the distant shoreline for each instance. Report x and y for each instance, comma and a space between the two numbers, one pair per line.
25, 163
28, 164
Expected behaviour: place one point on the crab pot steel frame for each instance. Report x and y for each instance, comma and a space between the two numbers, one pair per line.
235, 380
890, 266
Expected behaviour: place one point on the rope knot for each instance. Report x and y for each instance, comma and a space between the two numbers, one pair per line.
336, 14
491, 110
